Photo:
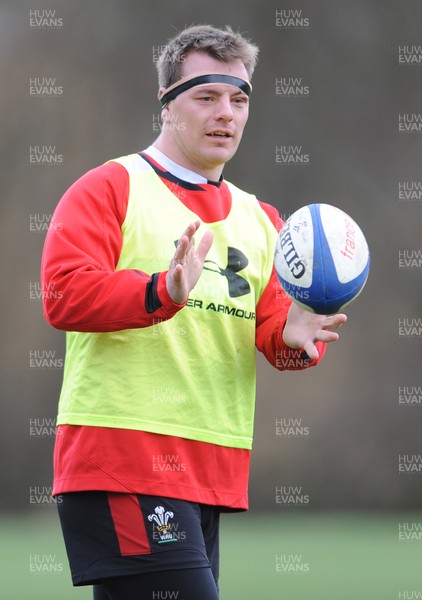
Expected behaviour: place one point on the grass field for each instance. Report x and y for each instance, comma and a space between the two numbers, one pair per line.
303, 556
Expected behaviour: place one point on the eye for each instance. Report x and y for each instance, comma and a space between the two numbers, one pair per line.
240, 100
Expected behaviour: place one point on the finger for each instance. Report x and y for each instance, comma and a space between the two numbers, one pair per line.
204, 245
321, 336
327, 336
191, 230
186, 241
311, 350
181, 249
335, 321
177, 274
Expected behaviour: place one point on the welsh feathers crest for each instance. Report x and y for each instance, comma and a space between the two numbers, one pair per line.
161, 517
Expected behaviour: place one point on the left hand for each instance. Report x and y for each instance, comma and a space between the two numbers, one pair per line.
187, 263
303, 329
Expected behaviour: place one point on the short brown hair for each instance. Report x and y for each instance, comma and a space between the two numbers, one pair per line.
222, 44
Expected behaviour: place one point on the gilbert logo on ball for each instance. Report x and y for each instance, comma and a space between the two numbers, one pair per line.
321, 258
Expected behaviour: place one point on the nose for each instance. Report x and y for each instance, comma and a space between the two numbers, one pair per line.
224, 110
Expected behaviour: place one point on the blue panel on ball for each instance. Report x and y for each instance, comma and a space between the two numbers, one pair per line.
327, 295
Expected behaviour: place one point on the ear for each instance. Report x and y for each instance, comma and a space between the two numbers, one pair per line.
165, 109
161, 93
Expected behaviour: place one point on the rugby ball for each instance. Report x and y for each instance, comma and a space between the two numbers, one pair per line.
321, 258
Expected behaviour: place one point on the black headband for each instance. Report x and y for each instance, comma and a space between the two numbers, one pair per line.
212, 78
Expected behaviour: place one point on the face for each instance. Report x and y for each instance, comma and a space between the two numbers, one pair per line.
203, 126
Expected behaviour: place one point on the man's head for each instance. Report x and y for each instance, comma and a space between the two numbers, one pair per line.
204, 76
222, 44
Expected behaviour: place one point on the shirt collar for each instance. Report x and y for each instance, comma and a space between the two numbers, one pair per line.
174, 168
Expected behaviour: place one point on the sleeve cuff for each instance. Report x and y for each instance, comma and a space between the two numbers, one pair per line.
167, 303
291, 359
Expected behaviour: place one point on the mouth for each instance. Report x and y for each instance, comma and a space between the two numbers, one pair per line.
219, 134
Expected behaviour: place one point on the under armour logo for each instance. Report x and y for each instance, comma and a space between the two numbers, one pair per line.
236, 261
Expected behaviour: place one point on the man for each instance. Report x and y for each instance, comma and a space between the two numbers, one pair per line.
156, 411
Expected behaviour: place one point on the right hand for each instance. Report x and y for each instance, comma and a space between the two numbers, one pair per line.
303, 329
187, 263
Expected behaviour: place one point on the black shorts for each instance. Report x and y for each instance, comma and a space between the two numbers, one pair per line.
110, 534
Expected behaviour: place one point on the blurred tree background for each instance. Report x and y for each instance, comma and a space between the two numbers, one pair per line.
351, 423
